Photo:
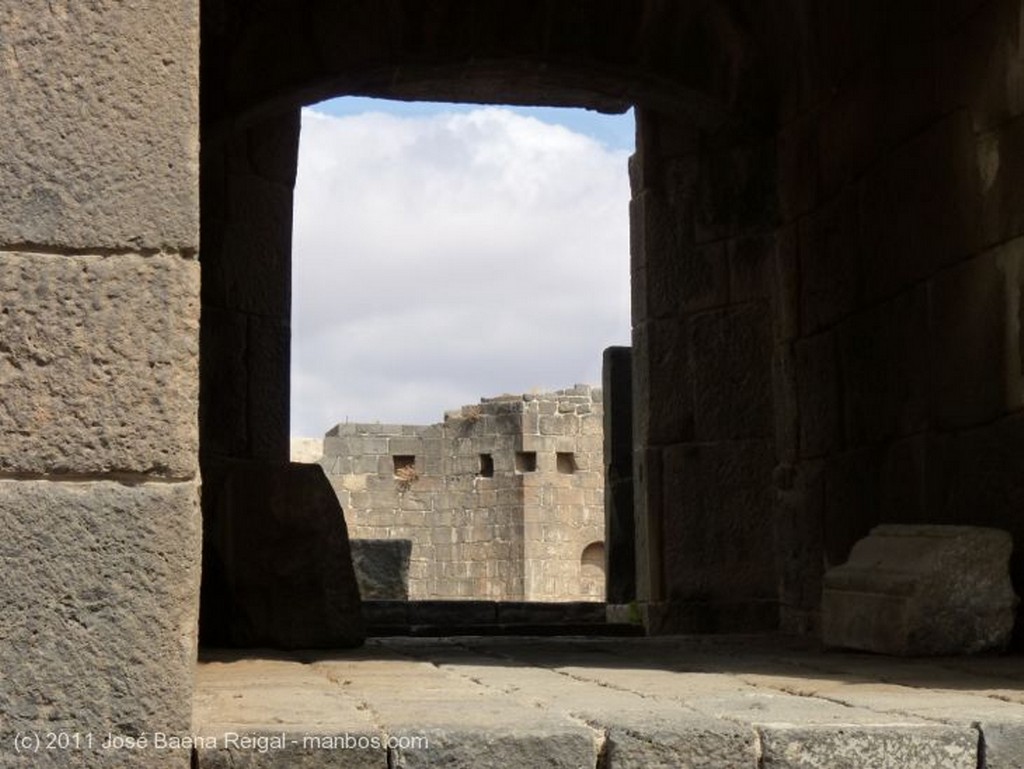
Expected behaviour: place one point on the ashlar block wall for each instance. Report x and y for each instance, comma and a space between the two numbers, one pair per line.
500, 501
99, 338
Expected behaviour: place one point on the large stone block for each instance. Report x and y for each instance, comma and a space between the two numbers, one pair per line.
798, 539
829, 256
969, 351
257, 231
98, 615
933, 182
277, 568
818, 398
979, 66
790, 746
736, 187
884, 359
921, 590
1000, 158
732, 373
717, 521
662, 383
105, 95
99, 364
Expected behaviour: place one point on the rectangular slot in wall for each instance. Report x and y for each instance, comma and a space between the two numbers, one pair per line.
526, 461
565, 462
486, 466
405, 466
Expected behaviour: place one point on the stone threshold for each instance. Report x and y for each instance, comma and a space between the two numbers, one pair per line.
606, 703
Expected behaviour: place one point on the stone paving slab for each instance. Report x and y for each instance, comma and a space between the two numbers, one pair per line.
724, 703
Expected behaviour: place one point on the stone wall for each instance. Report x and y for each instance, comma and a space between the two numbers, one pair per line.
500, 500
99, 332
897, 344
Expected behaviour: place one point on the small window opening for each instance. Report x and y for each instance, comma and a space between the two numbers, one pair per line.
405, 467
526, 461
565, 462
486, 466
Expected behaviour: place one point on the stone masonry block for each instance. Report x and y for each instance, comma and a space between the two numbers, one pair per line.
885, 362
922, 590
98, 609
258, 232
1000, 159
784, 397
223, 359
829, 256
980, 65
731, 354
789, 746
969, 350
717, 519
99, 364
817, 384
662, 383
750, 266
785, 285
268, 385
934, 183
106, 98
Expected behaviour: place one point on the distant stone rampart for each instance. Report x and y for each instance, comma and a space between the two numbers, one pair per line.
503, 500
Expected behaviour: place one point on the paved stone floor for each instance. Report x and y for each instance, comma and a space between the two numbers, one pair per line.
607, 703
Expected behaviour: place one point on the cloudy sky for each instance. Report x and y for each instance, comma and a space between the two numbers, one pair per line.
442, 253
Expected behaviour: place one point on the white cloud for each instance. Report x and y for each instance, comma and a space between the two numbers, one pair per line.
438, 259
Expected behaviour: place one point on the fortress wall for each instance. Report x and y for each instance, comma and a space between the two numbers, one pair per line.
483, 523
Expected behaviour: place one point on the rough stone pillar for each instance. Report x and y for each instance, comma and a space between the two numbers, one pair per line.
99, 312
620, 528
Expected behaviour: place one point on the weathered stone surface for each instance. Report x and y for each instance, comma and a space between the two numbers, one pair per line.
106, 97
717, 519
933, 182
736, 188
832, 747
559, 746
829, 254
817, 381
277, 570
731, 352
382, 568
268, 356
884, 359
969, 352
1004, 744
916, 590
238, 709
97, 615
662, 382
99, 364
799, 504
657, 740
